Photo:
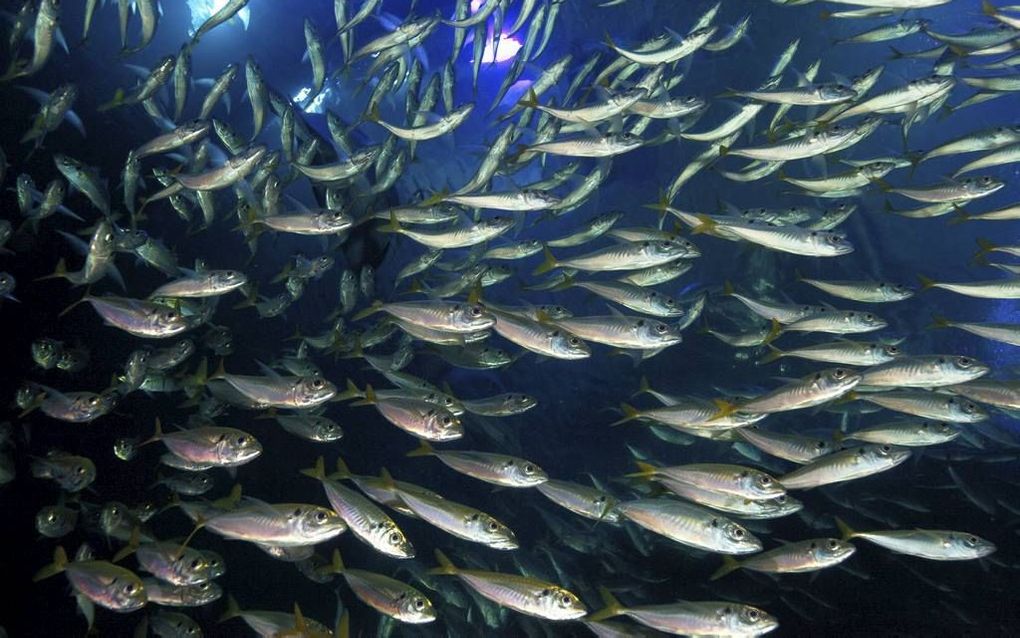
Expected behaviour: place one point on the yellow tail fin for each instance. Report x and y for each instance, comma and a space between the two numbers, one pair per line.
446, 566
612, 608
630, 413
729, 564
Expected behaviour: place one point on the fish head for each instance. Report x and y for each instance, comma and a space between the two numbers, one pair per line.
215, 562
567, 345
237, 447
333, 220
7, 283
443, 425
46, 351
326, 430
168, 321
678, 248
760, 484
394, 541
525, 472
127, 240
746, 620
490, 531
831, 242
964, 365
984, 185
657, 332
966, 410
499, 222
555, 311
836, 378
829, 550
493, 357
113, 515
885, 455
967, 546
222, 279
53, 521
836, 92
315, 524
314, 390
940, 429
559, 604
733, 536
125, 448
518, 402
665, 303
123, 593
470, 317
202, 593
783, 505
628, 140
414, 608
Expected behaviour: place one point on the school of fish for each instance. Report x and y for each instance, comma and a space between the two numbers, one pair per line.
482, 284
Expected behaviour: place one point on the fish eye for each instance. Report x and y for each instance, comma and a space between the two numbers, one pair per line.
833, 544
972, 540
318, 383
964, 362
566, 600
81, 470
738, 532
493, 526
195, 564
529, 468
320, 516
419, 604
839, 373
130, 588
394, 538
574, 341
765, 480
886, 449
820, 445
661, 328
447, 420
753, 615
241, 440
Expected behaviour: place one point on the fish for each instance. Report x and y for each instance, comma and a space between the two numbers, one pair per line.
521, 593
386, 595
845, 465
689, 618
925, 543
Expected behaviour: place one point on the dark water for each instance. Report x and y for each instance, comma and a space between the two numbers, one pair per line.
568, 434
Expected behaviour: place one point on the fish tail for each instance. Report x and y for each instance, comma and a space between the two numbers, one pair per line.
58, 565
725, 408
824, 15
984, 247
131, 547
423, 449
938, 321
157, 434
707, 224
231, 500
960, 217
336, 563
645, 471
727, 289
343, 626
352, 392
446, 566
548, 264
118, 99
988, 8
373, 115
530, 101
629, 414
612, 607
729, 564
318, 472
342, 471
845, 530
233, 610
643, 387
59, 272
774, 331
774, 354
367, 312
926, 283
369, 396
283, 274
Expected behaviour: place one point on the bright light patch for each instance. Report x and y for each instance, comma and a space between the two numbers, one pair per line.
507, 50
318, 105
476, 5
202, 10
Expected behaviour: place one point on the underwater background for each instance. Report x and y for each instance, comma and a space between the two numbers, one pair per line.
568, 433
